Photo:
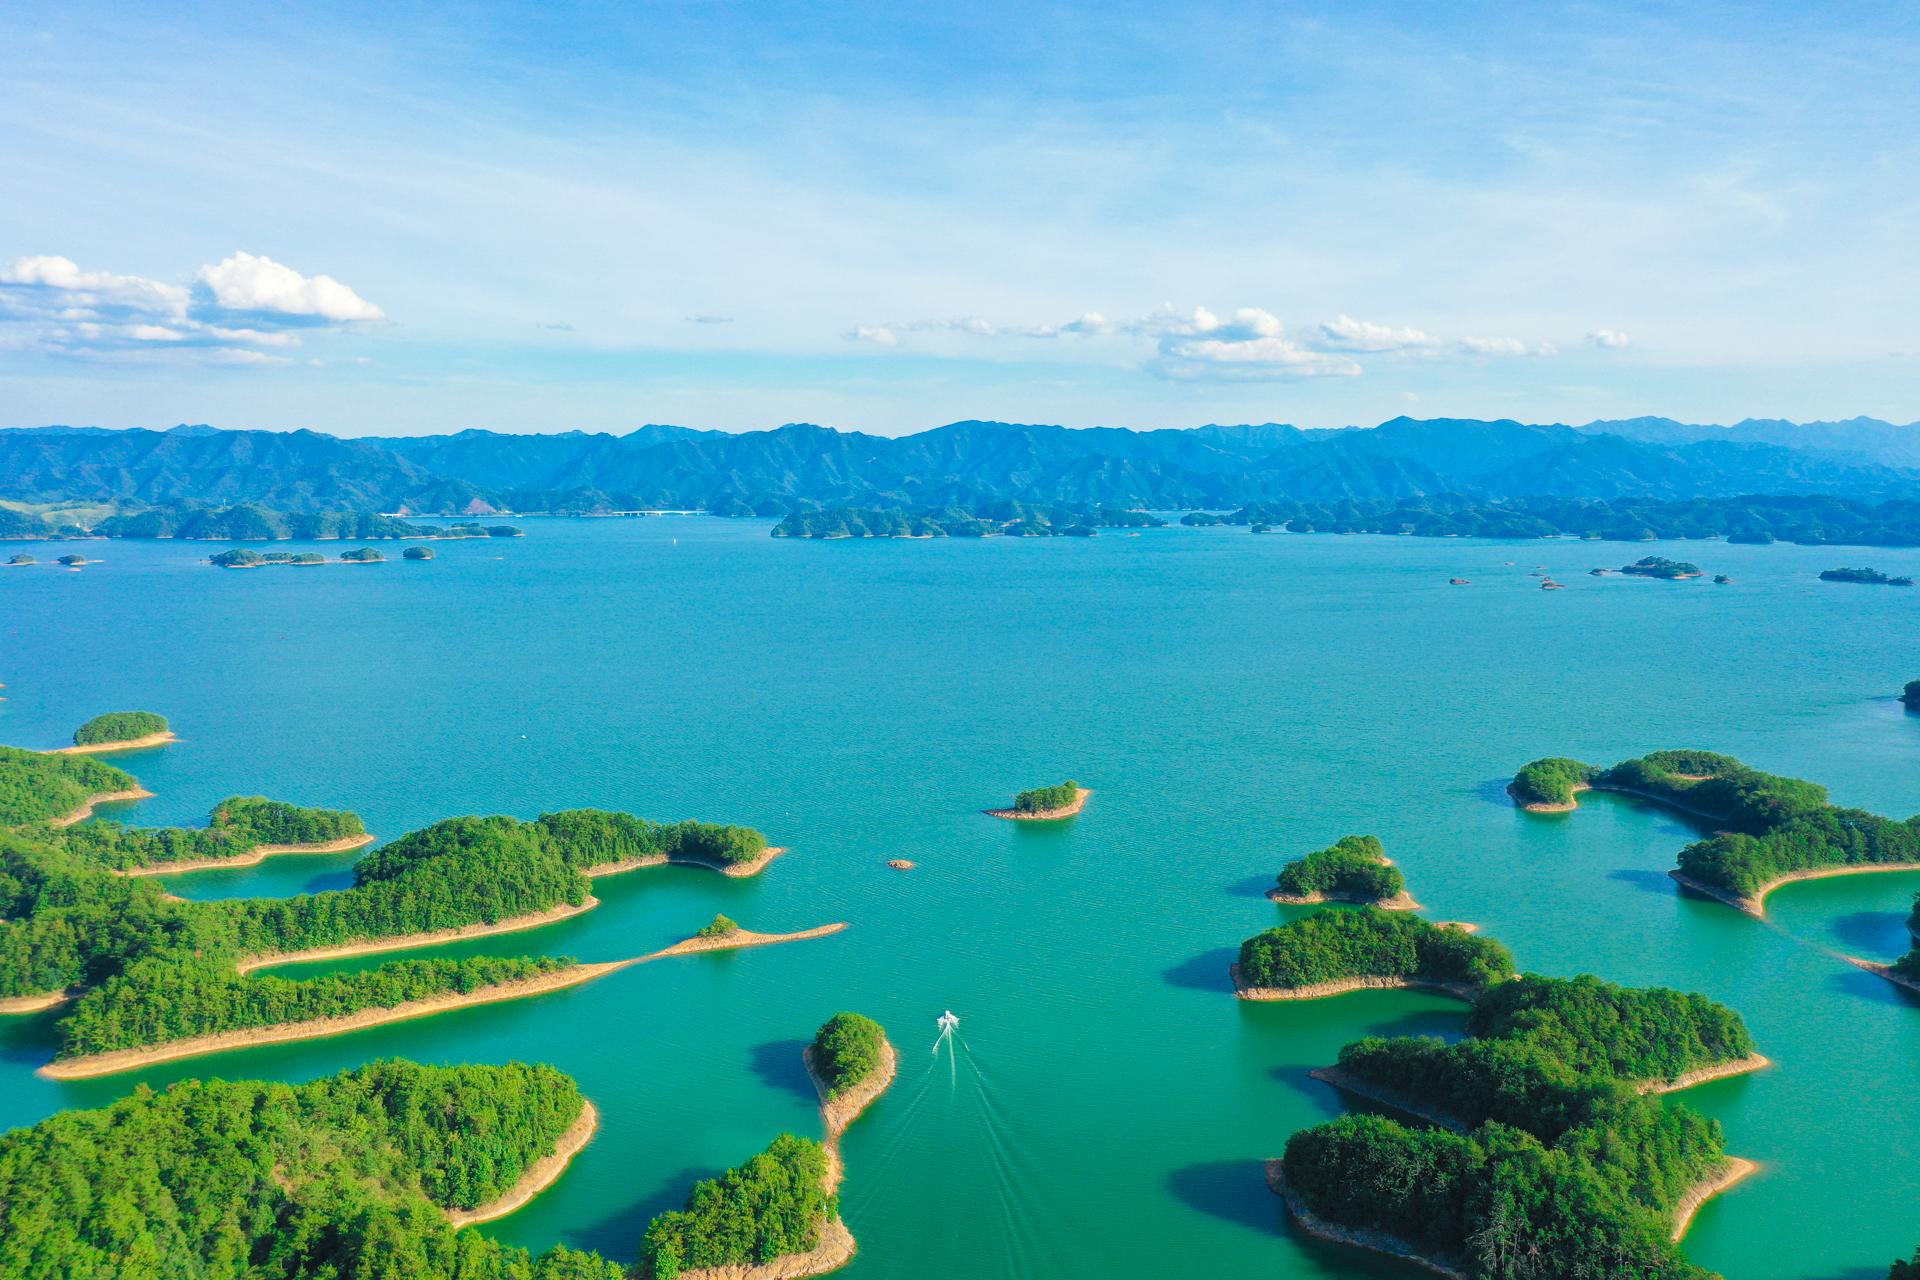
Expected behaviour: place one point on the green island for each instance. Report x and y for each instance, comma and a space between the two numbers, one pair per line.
1866, 577
356, 1174
846, 1051
777, 1216
417, 553
721, 926
146, 976
1537, 1137
253, 522
1331, 952
20, 558
120, 728
74, 560
1773, 831
1062, 800
362, 555
1352, 869
1660, 567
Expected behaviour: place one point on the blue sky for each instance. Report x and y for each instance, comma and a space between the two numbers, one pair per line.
391, 218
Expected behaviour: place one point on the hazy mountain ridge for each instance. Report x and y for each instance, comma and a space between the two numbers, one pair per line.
961, 464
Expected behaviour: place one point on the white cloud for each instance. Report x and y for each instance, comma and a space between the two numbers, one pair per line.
1493, 346
246, 282
49, 303
1344, 333
878, 334
78, 290
1608, 339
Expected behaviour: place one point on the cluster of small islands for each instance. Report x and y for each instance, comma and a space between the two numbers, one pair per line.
1540, 1135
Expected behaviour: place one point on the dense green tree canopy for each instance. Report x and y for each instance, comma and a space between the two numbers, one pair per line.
1044, 799
1329, 946
773, 1205
1353, 868
36, 786
846, 1050
119, 726
1551, 781
346, 1178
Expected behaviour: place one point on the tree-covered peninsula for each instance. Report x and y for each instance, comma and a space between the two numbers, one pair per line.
1343, 950
350, 1177
1773, 829
1538, 1138
1352, 869
239, 828
119, 726
775, 1205
146, 970
38, 786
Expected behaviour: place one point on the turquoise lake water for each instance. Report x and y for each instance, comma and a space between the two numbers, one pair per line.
1235, 701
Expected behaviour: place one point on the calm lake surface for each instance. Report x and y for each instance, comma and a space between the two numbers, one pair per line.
1235, 701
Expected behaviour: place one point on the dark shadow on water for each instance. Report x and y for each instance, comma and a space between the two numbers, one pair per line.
778, 1063
29, 1039
1330, 1102
1251, 887
1204, 972
1871, 986
1871, 932
1448, 1024
1235, 1190
618, 1234
1494, 791
1652, 881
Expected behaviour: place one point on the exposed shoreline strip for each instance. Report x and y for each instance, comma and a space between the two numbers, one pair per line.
36, 1003
85, 811
251, 858
1347, 1082
1402, 901
1885, 971
737, 870
1356, 1237
542, 1174
1043, 815
1340, 986
1755, 903
1725, 1070
125, 744
111, 1062
1733, 1170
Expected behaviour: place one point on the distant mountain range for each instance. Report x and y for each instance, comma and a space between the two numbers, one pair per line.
963, 465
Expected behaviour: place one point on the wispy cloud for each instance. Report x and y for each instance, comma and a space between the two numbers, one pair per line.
1610, 339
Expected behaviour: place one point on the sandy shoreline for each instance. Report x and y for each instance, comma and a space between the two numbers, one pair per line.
1402, 901
1723, 1071
85, 811
127, 744
109, 1063
34, 1004
1357, 1237
1755, 904
837, 1113
251, 858
737, 870
1043, 815
411, 941
1537, 807
1884, 971
1363, 982
1734, 1170
542, 1174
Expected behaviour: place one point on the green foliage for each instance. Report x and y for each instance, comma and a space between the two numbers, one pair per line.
119, 726
418, 553
36, 786
1869, 577
1633, 1033
1907, 1270
237, 558
345, 1178
1354, 868
722, 926
1014, 519
1329, 946
19, 557
362, 555
158, 970
73, 559
251, 522
846, 1050
771, 1206
1659, 567
1043, 799
1550, 781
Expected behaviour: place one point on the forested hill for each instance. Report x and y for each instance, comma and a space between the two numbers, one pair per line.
962, 465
